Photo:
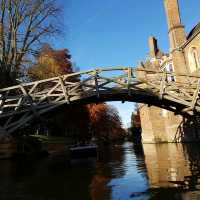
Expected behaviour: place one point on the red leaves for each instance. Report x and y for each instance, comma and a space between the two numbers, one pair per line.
105, 122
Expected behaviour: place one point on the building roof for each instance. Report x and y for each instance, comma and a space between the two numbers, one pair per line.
194, 31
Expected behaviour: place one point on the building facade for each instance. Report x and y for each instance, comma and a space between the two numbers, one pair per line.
159, 125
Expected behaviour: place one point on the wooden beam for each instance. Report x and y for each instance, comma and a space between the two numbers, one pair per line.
129, 80
33, 97
163, 85
64, 89
195, 96
96, 83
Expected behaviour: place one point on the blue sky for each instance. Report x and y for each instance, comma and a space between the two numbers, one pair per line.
115, 32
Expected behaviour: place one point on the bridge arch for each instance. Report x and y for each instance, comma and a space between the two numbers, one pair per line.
22, 103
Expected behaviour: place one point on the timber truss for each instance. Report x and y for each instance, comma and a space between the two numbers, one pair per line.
20, 104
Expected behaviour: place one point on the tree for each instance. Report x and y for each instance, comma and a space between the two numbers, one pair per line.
105, 122
69, 121
135, 118
50, 63
24, 24
135, 129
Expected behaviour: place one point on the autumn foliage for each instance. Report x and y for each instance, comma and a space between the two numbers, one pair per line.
51, 63
135, 118
105, 122
78, 121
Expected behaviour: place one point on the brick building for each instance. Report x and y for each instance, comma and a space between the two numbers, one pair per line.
159, 125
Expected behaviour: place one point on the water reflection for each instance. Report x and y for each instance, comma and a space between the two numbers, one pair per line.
166, 171
121, 174
173, 171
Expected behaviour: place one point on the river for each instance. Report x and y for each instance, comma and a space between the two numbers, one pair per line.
121, 172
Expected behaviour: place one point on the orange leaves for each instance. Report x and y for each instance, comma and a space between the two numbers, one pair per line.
97, 112
51, 63
105, 121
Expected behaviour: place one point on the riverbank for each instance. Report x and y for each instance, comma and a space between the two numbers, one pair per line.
34, 146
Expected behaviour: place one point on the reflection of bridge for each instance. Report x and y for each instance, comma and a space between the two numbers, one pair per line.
22, 103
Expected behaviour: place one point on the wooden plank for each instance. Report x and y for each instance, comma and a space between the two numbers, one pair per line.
163, 85
29, 98
195, 96
32, 88
65, 94
96, 83
22, 119
63, 90
129, 80
3, 99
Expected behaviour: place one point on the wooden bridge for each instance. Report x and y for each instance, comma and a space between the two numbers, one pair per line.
20, 104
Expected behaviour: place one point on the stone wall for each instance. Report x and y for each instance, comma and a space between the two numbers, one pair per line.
153, 126
159, 126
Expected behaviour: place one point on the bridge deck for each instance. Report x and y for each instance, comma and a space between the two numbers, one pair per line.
22, 103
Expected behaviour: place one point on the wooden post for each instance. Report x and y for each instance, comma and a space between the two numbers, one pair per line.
196, 95
129, 80
163, 85
96, 83
64, 90
31, 100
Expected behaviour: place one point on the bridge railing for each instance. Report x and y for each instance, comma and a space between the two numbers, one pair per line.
119, 76
21, 103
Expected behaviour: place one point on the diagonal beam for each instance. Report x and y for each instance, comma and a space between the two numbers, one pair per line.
64, 90
195, 96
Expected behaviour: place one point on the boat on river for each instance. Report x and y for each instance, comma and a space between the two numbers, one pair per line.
83, 151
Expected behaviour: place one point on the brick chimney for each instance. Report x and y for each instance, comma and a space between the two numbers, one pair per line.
153, 47
177, 35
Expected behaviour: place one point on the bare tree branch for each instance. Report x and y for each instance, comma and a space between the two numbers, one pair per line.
23, 25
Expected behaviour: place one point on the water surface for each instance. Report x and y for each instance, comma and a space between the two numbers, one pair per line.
122, 172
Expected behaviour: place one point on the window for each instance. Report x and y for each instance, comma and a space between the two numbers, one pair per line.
194, 63
169, 68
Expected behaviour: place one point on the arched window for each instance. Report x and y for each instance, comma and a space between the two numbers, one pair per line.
194, 59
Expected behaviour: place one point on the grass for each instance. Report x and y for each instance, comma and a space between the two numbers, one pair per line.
52, 139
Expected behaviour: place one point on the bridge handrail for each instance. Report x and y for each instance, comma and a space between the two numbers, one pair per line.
99, 70
21, 103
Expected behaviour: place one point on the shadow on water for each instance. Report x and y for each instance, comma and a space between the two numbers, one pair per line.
44, 180
121, 172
